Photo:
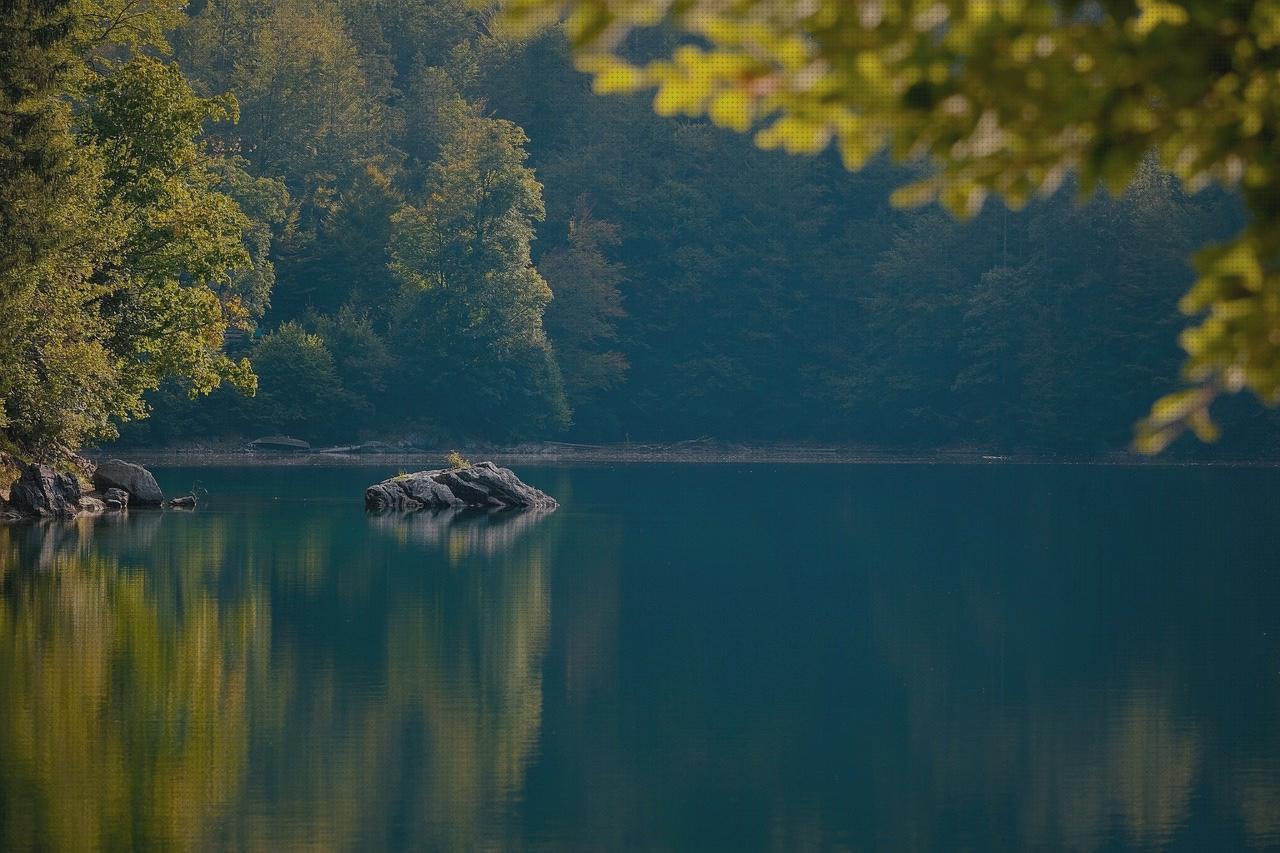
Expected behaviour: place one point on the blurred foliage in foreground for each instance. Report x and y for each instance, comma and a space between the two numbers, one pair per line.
1004, 97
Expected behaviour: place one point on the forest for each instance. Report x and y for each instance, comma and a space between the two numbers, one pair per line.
385, 219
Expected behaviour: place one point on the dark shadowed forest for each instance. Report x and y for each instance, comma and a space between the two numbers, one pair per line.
414, 228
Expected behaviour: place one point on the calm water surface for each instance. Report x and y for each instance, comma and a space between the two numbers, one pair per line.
680, 658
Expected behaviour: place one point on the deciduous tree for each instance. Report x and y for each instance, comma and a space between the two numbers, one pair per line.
471, 319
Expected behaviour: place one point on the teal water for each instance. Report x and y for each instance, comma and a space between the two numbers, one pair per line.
680, 658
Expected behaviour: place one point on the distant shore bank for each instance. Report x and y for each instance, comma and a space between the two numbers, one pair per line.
553, 453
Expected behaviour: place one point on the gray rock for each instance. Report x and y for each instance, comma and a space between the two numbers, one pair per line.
428, 492
42, 491
134, 479
484, 484
116, 498
371, 447
279, 444
93, 505
184, 502
69, 486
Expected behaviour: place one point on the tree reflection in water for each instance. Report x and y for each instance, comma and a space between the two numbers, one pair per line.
145, 671
125, 720
927, 660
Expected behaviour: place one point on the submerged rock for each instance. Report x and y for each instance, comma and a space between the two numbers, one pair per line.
369, 447
184, 502
279, 444
134, 479
484, 484
116, 498
42, 491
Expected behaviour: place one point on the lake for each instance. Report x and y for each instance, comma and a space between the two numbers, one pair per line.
682, 657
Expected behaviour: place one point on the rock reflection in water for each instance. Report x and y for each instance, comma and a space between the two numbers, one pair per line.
462, 532
38, 543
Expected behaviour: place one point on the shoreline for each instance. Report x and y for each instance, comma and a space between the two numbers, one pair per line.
695, 454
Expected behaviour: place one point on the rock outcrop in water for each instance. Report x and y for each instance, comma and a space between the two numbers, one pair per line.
484, 484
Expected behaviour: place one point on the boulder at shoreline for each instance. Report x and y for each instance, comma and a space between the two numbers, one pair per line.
42, 491
483, 484
137, 481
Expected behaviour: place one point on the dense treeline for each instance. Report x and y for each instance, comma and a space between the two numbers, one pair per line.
410, 227
118, 245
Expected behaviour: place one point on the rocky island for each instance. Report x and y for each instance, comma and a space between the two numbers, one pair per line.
482, 484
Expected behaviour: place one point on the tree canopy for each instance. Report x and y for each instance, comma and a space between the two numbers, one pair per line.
118, 248
1003, 97
415, 226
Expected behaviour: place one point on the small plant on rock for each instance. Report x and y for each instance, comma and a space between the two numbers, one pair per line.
456, 460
